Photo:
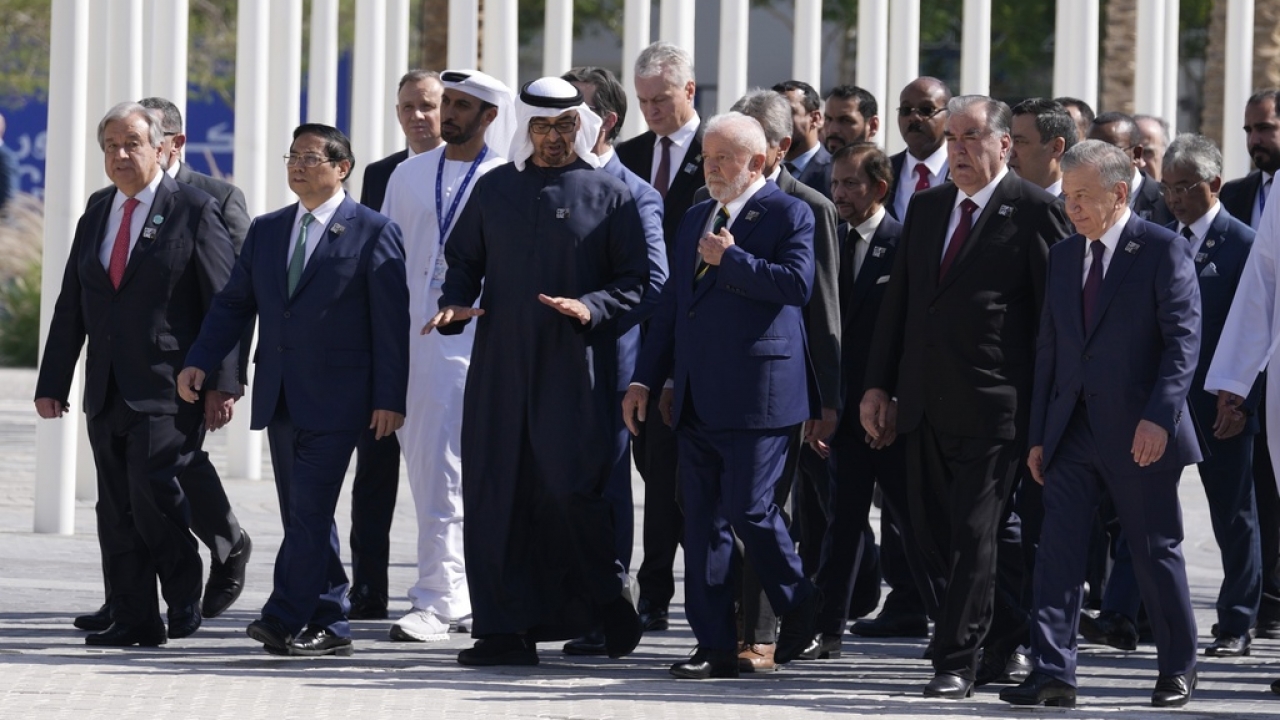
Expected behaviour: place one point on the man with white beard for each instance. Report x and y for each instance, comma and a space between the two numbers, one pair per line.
425, 195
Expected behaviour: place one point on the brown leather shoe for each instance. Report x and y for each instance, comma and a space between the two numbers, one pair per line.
756, 659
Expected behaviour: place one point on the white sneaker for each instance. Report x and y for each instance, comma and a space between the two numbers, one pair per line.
420, 626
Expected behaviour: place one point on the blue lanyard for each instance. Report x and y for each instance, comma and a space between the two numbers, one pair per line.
445, 220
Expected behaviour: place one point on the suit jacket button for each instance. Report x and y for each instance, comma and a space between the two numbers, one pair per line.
1087, 356
286, 314
279, 348
691, 313
933, 310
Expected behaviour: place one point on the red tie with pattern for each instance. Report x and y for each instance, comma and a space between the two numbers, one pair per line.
967, 207
922, 177
120, 250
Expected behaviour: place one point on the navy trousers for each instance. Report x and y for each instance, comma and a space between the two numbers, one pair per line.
373, 506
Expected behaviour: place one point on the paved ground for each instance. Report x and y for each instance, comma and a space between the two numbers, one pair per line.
47, 672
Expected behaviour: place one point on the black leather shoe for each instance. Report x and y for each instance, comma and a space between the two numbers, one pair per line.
366, 604
1040, 689
184, 621
892, 625
1109, 628
1275, 687
798, 627
94, 622
653, 617
621, 626
315, 642
226, 579
822, 647
268, 631
590, 644
125, 635
1268, 629
1229, 646
998, 669
1173, 690
949, 687
706, 664
500, 650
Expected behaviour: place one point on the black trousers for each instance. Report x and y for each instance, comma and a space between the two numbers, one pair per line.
1268, 499
373, 505
654, 450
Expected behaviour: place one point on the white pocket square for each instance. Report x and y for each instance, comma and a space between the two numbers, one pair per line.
882, 279
1209, 270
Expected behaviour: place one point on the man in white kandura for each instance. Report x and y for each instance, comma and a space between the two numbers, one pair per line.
425, 196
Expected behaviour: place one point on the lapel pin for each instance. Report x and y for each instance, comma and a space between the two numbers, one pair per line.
149, 233
1132, 248
1006, 210
337, 229
690, 168
562, 213
157, 219
752, 215
1201, 257
1210, 243
877, 252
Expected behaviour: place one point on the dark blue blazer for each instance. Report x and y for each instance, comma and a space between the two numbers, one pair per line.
860, 298
649, 203
339, 348
817, 172
1135, 362
735, 342
1219, 265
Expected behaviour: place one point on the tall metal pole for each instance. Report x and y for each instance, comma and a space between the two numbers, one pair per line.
635, 37
368, 95
904, 61
557, 45
322, 64
1237, 85
975, 48
464, 35
397, 64
732, 80
806, 48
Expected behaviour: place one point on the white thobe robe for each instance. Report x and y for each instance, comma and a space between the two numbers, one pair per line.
431, 436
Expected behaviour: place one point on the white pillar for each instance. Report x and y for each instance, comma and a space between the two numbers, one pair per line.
1075, 53
168, 67
975, 48
99, 98
368, 73
635, 37
256, 166
904, 65
873, 53
1172, 37
397, 64
732, 80
1149, 58
284, 104
126, 39
56, 440
557, 41
322, 64
464, 35
501, 46
1238, 84
806, 48
675, 23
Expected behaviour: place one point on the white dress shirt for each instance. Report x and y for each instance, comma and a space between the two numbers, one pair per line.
145, 197
321, 217
862, 235
981, 198
937, 165
1200, 228
1110, 239
680, 140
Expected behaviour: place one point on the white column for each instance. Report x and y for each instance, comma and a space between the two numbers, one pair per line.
368, 72
873, 53
56, 440
806, 48
284, 104
1149, 58
557, 40
1172, 37
256, 167
397, 64
975, 48
322, 64
501, 46
125, 25
904, 65
1238, 83
675, 23
98, 99
464, 35
168, 66
635, 37
732, 80
1075, 53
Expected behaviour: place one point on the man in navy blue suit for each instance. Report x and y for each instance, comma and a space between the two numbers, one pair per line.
325, 278
730, 333
1115, 356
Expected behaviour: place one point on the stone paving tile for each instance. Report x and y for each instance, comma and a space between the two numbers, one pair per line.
47, 672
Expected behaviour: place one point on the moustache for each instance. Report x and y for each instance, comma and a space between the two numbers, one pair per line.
915, 127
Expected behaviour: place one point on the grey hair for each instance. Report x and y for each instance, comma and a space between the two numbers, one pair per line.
743, 131
1113, 164
124, 111
673, 63
171, 116
1164, 125
1196, 153
417, 75
999, 117
771, 110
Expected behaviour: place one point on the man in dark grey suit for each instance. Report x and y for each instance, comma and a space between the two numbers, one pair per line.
807, 160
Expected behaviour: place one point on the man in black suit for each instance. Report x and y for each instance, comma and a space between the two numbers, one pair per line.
212, 519
669, 156
373, 491
922, 113
1122, 131
951, 368
1080, 113
1043, 132
418, 110
807, 160
143, 269
1244, 199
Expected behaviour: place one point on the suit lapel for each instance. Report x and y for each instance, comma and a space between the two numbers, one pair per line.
339, 224
870, 271
689, 261
939, 235
1214, 239
1131, 242
160, 210
690, 170
992, 225
1075, 286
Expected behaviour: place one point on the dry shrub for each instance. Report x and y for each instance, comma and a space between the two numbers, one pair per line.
21, 239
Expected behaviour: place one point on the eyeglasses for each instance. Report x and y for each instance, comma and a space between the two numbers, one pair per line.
923, 112
564, 127
1178, 191
306, 161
